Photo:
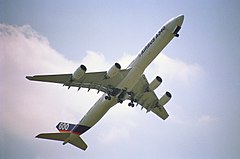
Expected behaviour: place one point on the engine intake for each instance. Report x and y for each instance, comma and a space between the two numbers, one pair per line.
113, 71
154, 84
80, 71
164, 99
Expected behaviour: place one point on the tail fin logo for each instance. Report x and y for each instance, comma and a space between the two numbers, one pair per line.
72, 128
63, 126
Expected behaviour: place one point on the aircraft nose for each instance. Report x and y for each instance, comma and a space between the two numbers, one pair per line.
180, 19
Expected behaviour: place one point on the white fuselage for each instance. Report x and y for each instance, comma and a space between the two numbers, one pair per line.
138, 65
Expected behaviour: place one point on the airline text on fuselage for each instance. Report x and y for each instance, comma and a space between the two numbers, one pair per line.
151, 42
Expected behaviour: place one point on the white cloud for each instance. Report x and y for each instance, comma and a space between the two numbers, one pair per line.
206, 119
25, 52
175, 70
114, 134
126, 59
95, 61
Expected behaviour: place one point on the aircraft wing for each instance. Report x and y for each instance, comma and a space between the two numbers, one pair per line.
148, 99
98, 81
92, 80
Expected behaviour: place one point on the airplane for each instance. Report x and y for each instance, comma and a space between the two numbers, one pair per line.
117, 85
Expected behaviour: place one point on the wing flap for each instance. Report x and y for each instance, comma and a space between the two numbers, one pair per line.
161, 112
91, 80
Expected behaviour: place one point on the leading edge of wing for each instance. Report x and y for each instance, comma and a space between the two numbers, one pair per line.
59, 78
91, 80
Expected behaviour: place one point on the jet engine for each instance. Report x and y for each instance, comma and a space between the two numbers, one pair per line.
164, 99
80, 71
113, 71
154, 84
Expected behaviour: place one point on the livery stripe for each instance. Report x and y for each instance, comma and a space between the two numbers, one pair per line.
80, 129
72, 128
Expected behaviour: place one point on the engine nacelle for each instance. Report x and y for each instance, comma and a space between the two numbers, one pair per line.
113, 71
154, 84
164, 99
80, 71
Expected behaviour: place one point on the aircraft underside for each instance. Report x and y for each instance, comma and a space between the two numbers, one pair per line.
118, 85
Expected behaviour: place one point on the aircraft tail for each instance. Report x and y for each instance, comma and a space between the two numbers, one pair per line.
68, 133
73, 128
65, 127
73, 139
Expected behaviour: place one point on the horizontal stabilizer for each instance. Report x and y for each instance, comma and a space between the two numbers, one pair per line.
71, 138
54, 136
78, 142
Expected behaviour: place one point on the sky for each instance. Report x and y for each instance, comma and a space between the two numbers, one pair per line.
201, 69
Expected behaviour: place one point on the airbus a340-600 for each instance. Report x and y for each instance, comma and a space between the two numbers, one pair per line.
117, 85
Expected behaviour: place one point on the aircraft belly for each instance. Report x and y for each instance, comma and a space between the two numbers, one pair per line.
98, 110
142, 62
131, 79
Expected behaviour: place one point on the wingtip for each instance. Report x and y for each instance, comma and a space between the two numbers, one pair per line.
37, 136
29, 77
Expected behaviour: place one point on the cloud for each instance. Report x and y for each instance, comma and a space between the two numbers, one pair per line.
206, 119
28, 108
95, 61
176, 70
114, 134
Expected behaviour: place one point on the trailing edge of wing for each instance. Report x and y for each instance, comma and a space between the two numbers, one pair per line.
91, 80
61, 78
161, 112
148, 99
